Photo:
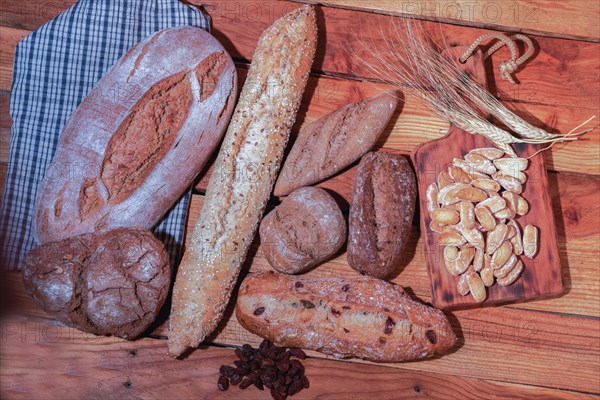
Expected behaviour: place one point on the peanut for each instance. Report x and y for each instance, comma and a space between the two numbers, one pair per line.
432, 197
495, 203
530, 239
463, 286
471, 194
506, 268
478, 260
501, 256
451, 239
512, 275
508, 182
476, 286
487, 276
485, 218
445, 216
490, 153
511, 164
467, 214
486, 184
482, 193
496, 238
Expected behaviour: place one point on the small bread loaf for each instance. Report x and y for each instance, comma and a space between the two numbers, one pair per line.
381, 213
136, 142
333, 142
111, 283
362, 317
243, 178
305, 230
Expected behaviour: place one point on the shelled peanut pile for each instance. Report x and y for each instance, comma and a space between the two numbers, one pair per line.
474, 206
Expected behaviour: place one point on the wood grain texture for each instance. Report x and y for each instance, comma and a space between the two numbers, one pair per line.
524, 343
554, 18
561, 71
415, 121
10, 38
71, 364
546, 349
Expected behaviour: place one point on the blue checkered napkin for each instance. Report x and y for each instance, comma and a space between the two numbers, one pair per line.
55, 67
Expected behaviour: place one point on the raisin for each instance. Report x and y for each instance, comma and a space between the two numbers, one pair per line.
431, 336
389, 325
223, 384
307, 304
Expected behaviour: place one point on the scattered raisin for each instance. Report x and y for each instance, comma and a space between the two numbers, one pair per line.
268, 366
245, 383
389, 325
223, 384
299, 284
346, 287
307, 304
227, 371
431, 336
298, 353
259, 311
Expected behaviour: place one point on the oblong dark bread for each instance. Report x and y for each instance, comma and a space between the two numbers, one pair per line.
139, 138
381, 213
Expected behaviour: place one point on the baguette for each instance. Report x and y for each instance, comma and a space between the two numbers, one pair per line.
136, 142
243, 178
362, 317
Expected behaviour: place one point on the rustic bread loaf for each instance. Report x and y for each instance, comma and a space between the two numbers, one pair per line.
381, 213
243, 177
335, 141
139, 138
362, 317
111, 283
306, 229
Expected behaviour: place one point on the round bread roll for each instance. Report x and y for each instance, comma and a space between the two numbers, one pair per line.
111, 283
305, 230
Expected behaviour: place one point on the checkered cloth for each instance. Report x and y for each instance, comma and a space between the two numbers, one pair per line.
55, 67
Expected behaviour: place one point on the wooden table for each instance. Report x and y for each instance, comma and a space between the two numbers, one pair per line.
543, 349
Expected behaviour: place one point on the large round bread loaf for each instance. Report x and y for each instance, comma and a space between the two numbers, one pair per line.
111, 283
140, 137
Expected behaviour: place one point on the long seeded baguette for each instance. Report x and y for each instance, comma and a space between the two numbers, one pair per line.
244, 173
361, 317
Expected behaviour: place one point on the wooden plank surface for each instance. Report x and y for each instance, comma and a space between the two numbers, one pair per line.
544, 349
562, 71
415, 122
553, 18
71, 364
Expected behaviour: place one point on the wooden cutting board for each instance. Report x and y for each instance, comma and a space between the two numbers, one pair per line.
541, 276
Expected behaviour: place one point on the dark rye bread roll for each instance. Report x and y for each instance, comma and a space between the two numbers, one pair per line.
381, 213
334, 141
306, 229
361, 317
111, 283
139, 138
